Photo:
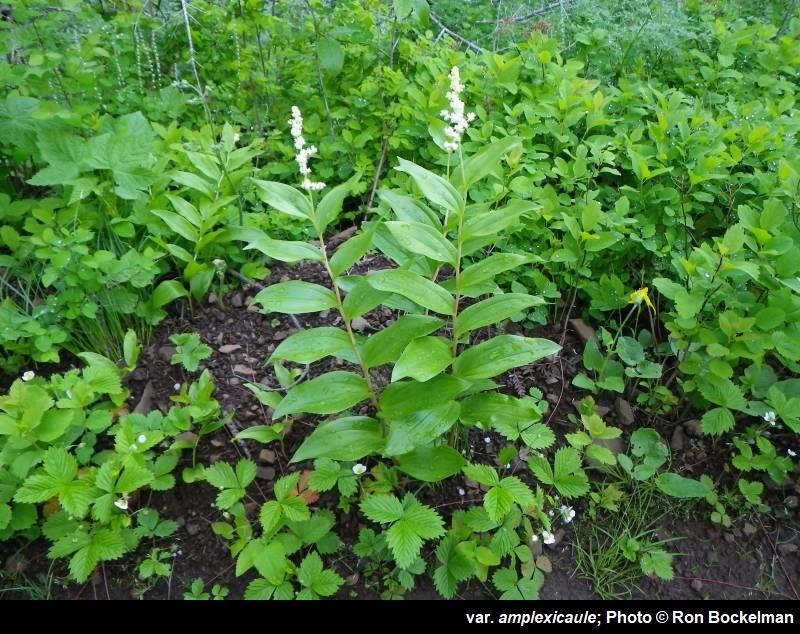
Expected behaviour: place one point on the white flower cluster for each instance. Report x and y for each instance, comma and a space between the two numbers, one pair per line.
458, 119
303, 152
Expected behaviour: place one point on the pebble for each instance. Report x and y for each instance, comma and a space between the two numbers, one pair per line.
693, 428
265, 473
359, 324
624, 411
267, 455
748, 529
697, 585
231, 347
236, 300
192, 529
678, 440
165, 353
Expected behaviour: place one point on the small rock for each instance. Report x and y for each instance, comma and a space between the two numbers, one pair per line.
267, 455
729, 537
265, 473
551, 379
584, 330
285, 278
145, 404
231, 347
243, 369
212, 298
216, 442
693, 427
359, 324
748, 529
353, 579
165, 353
697, 585
280, 335
236, 300
188, 436
233, 381
323, 315
787, 549
678, 440
192, 529
624, 411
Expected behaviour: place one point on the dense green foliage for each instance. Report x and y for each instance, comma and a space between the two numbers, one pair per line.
644, 171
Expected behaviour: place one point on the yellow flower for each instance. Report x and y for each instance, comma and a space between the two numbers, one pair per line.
637, 297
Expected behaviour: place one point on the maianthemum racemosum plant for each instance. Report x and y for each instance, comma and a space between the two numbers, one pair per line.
439, 378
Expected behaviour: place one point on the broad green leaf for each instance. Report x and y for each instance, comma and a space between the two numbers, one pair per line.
351, 252
312, 345
326, 394
433, 187
329, 208
284, 198
387, 345
492, 223
331, 56
501, 353
178, 224
403, 399
423, 359
415, 287
404, 543
483, 162
487, 268
295, 297
344, 439
285, 250
431, 464
498, 502
419, 428
423, 240
493, 310
482, 474
677, 486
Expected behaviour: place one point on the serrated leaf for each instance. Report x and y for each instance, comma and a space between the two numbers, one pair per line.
382, 508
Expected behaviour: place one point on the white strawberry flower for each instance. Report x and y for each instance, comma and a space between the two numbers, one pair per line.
791, 452
770, 417
141, 439
548, 537
28, 376
567, 513
122, 504
177, 387
359, 469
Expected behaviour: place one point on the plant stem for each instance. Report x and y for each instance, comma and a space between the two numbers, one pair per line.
459, 246
350, 334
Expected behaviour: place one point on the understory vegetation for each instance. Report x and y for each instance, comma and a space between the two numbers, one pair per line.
398, 298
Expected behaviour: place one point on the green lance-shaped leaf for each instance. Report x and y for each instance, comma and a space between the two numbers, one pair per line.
286, 250
501, 353
284, 198
494, 310
431, 464
423, 359
295, 297
387, 345
420, 428
327, 394
415, 287
486, 269
433, 187
484, 162
423, 240
491, 223
344, 439
312, 345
